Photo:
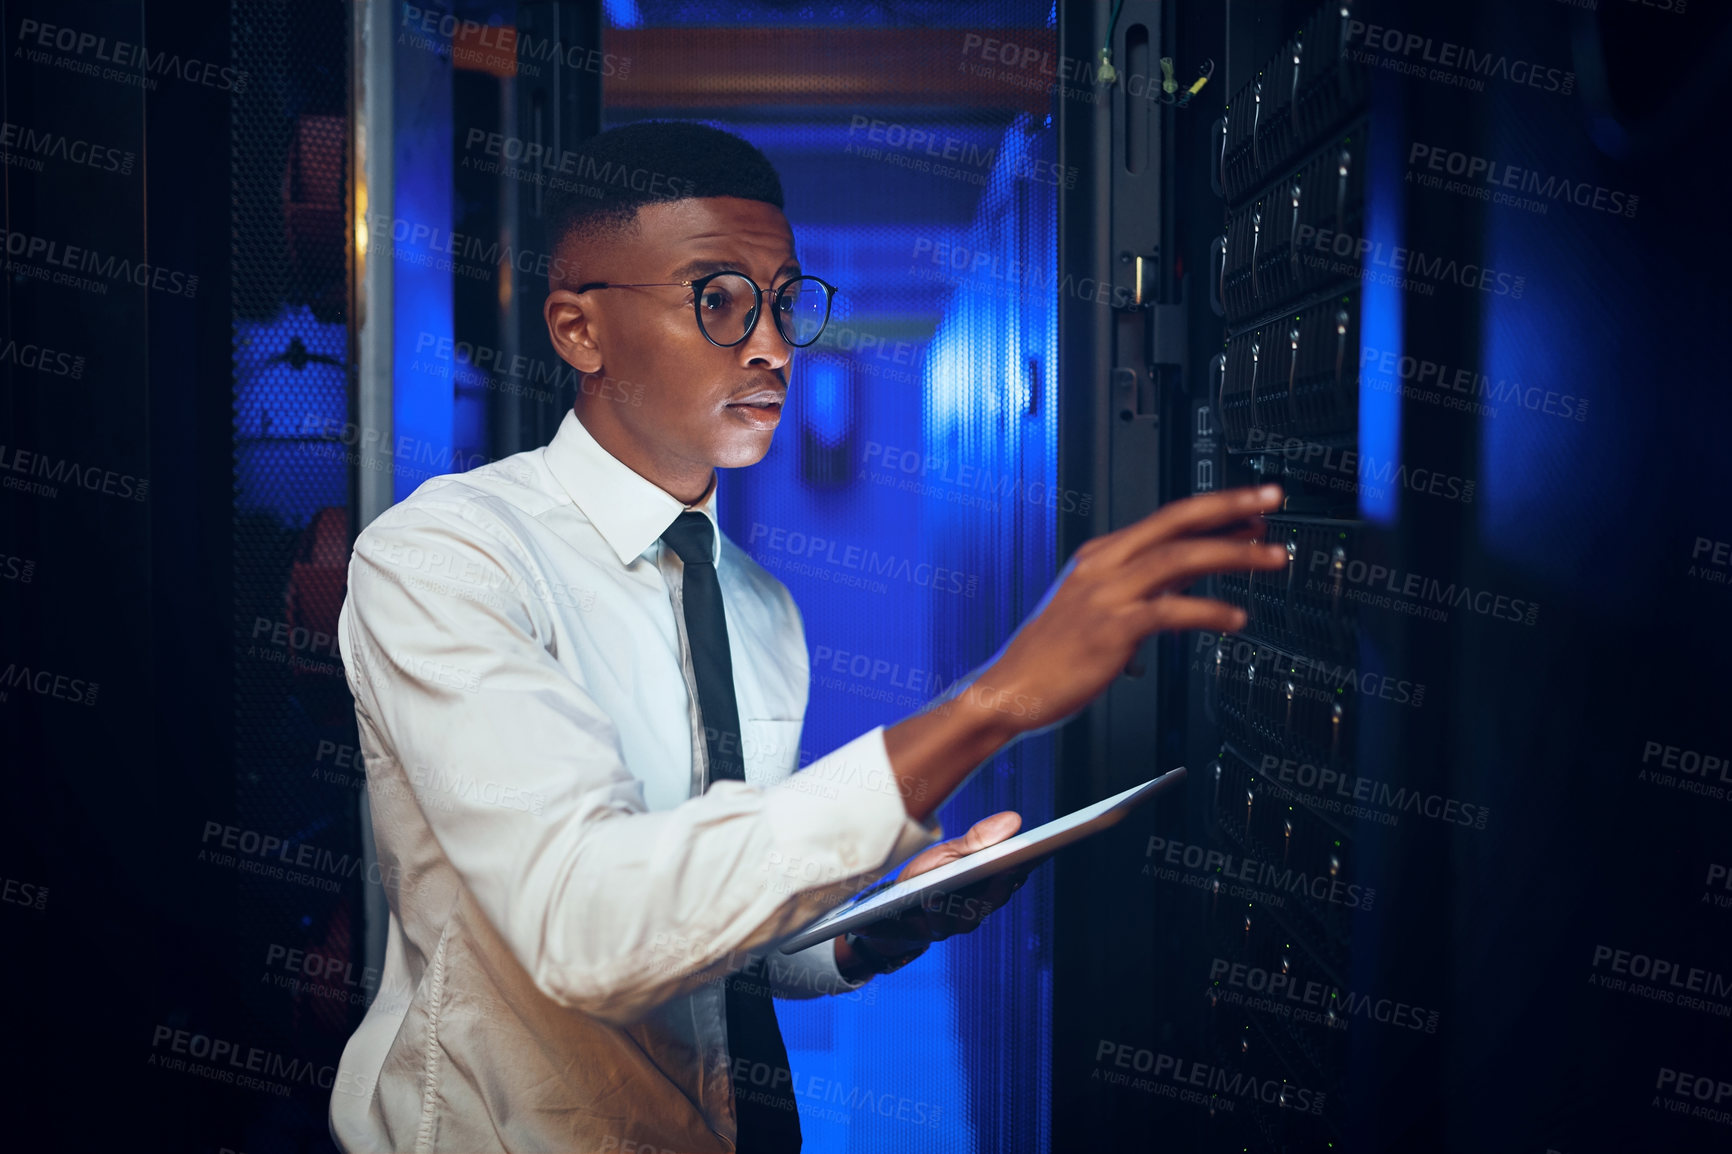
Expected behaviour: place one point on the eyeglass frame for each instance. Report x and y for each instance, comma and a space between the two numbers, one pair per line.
698, 285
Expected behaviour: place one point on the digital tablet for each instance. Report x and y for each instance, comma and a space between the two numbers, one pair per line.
1007, 854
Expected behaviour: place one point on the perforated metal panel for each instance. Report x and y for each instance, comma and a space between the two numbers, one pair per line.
297, 778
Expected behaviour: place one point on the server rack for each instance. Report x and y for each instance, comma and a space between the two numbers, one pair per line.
1236, 361
1270, 713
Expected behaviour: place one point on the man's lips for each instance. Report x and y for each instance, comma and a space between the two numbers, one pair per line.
765, 399
761, 410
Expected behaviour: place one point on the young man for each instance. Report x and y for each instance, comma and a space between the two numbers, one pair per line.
580, 707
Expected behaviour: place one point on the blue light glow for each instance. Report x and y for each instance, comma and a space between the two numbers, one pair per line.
422, 404
1380, 325
822, 382
291, 406
1557, 359
623, 13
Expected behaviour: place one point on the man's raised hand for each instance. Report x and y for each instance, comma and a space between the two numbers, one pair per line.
1121, 587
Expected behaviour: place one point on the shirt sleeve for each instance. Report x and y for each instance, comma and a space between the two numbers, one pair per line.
611, 909
811, 973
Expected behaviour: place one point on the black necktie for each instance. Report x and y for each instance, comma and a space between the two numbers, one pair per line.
769, 1118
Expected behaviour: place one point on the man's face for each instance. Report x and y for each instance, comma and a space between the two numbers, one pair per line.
700, 406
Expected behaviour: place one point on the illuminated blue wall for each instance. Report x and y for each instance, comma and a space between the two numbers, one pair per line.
422, 409
990, 404
1380, 310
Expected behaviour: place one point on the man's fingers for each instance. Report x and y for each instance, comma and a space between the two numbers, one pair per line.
1180, 564
906, 929
929, 858
991, 893
1173, 613
989, 831
1204, 513
941, 916
1249, 529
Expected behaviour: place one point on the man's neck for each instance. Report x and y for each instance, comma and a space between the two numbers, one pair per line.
691, 487
701, 501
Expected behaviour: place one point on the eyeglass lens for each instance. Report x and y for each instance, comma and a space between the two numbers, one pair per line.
728, 304
804, 307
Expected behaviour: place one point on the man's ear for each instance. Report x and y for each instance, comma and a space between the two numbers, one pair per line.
572, 331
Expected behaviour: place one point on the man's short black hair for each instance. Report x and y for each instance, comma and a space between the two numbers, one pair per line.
616, 172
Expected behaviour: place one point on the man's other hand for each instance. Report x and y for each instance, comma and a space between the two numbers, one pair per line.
940, 915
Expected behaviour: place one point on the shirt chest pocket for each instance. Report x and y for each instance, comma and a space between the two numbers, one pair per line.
770, 748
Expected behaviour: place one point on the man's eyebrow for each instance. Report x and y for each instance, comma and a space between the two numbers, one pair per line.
693, 269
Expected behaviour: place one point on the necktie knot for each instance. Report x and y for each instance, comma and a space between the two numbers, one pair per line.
693, 538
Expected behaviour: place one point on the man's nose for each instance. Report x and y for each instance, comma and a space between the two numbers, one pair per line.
765, 348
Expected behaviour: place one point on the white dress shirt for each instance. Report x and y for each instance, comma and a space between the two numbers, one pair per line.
566, 897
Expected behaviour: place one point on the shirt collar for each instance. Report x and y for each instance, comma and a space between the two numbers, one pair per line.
628, 510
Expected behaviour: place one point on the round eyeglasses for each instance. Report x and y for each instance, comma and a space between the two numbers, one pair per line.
727, 305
